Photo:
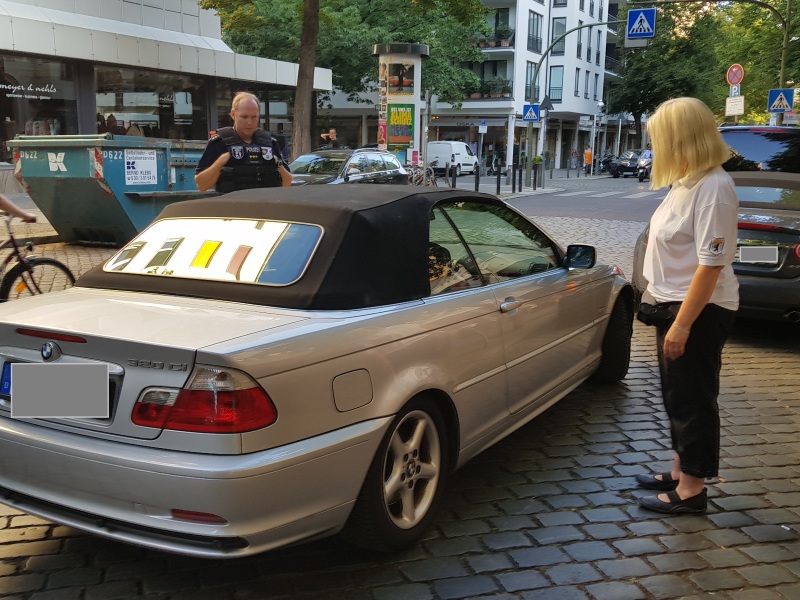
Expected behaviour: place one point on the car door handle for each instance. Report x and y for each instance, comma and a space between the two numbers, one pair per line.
509, 304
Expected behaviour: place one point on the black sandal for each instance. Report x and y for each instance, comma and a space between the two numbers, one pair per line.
694, 505
665, 484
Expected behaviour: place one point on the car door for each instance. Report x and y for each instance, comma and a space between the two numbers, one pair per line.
465, 342
549, 313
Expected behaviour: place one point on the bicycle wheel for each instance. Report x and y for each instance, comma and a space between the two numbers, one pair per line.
431, 175
35, 276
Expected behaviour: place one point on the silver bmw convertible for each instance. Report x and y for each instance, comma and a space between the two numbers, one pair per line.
274, 366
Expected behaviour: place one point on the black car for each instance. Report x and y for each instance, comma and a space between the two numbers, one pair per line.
365, 165
626, 164
762, 148
765, 165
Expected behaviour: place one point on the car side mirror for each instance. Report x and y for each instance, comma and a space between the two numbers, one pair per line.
580, 256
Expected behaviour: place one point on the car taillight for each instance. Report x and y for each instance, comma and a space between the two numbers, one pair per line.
214, 400
797, 251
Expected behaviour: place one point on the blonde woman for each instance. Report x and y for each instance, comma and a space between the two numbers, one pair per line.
688, 264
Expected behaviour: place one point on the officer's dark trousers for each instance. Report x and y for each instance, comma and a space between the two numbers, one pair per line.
690, 386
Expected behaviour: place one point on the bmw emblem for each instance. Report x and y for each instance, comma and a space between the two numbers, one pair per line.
51, 351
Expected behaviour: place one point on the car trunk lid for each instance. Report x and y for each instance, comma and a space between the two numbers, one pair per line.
145, 341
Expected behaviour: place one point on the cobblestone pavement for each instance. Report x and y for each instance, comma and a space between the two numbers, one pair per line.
548, 513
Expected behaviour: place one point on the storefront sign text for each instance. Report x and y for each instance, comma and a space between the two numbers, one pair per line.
30, 91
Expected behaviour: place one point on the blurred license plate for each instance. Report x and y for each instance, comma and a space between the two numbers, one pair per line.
5, 381
757, 254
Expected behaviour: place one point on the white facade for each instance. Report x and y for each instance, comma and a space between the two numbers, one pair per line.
573, 74
169, 35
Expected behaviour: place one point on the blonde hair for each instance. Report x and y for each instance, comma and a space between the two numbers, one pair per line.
686, 141
242, 97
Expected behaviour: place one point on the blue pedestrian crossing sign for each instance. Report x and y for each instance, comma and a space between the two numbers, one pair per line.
530, 112
641, 23
780, 101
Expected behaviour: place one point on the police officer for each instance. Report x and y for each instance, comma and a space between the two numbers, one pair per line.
242, 156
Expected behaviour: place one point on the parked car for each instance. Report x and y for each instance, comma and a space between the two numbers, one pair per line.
447, 153
768, 186
626, 164
285, 364
365, 165
762, 148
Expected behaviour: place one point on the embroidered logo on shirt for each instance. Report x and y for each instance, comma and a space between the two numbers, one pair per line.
266, 153
237, 152
716, 245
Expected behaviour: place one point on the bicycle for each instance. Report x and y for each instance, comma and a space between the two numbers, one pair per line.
421, 175
31, 274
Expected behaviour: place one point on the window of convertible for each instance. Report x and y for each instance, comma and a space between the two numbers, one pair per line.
245, 250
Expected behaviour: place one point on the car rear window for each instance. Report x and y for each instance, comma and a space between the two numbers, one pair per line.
763, 150
771, 197
246, 250
314, 164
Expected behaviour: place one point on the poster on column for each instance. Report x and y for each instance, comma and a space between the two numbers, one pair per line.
401, 79
401, 126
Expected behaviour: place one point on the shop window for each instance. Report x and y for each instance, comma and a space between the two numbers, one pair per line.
37, 97
150, 104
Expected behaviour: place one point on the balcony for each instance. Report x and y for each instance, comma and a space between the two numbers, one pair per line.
504, 37
556, 94
532, 93
492, 89
613, 65
535, 44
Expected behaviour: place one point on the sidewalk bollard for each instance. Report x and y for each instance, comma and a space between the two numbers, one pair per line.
535, 175
499, 170
520, 178
478, 179
453, 176
514, 178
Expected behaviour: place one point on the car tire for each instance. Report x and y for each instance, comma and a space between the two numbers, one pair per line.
458, 170
474, 168
616, 346
641, 177
402, 491
615, 175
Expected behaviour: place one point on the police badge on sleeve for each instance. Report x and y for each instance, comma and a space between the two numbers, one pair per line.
237, 152
266, 152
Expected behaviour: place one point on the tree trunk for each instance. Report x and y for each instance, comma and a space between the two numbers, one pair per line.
637, 119
304, 94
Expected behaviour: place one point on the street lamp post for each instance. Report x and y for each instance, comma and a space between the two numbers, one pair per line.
600, 106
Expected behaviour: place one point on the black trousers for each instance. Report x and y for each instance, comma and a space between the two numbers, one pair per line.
690, 386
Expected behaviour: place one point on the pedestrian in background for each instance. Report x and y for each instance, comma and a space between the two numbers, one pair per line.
688, 265
587, 160
330, 137
243, 156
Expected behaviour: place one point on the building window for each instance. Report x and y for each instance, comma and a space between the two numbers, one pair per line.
597, 51
596, 84
591, 8
559, 3
580, 39
38, 98
600, 11
589, 45
559, 29
531, 87
556, 83
535, 22
581, 4
586, 85
577, 82
151, 104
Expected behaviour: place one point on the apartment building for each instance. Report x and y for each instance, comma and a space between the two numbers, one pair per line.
574, 75
157, 68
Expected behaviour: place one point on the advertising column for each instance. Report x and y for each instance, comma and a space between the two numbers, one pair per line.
399, 98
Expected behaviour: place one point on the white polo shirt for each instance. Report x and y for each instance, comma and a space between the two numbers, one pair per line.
696, 224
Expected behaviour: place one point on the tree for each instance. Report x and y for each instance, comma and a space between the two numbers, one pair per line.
680, 61
348, 29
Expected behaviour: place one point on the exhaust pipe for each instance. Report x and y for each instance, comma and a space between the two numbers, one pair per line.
793, 316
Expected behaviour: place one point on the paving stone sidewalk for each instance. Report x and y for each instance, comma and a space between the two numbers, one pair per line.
549, 513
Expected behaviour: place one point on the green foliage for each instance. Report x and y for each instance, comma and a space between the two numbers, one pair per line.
350, 28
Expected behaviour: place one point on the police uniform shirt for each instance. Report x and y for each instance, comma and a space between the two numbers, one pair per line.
696, 224
216, 148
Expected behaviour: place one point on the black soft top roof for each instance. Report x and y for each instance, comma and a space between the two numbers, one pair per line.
374, 250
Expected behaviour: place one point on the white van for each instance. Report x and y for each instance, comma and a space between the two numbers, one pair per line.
459, 153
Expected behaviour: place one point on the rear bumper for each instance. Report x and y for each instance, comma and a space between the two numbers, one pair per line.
269, 499
769, 298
